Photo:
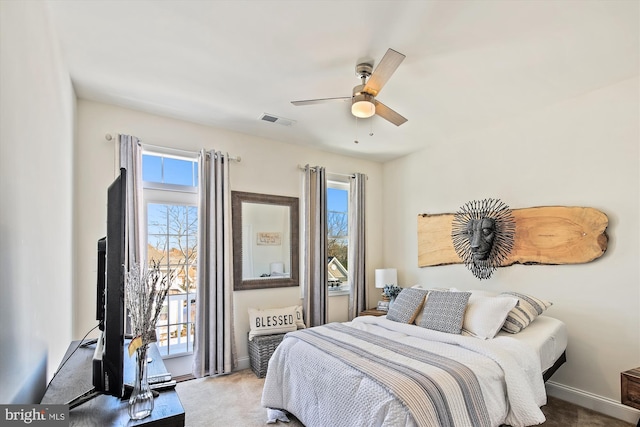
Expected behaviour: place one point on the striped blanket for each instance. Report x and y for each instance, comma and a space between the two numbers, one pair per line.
423, 390
374, 372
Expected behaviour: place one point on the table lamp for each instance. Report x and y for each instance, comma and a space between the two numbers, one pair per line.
385, 276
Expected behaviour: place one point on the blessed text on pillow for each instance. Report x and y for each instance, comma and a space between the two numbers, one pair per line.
299, 317
272, 321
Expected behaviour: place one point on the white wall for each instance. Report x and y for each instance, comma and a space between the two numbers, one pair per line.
267, 167
36, 140
581, 152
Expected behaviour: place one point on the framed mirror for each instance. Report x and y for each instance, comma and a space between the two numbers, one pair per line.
265, 240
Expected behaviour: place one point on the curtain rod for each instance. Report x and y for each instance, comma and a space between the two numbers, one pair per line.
348, 175
109, 137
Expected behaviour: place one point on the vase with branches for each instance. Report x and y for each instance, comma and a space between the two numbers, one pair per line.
145, 292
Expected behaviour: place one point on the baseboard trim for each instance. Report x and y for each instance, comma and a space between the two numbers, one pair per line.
186, 377
594, 402
243, 363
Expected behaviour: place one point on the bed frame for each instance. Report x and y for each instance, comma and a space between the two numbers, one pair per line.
549, 372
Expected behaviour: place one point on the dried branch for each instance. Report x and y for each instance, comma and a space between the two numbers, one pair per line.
146, 290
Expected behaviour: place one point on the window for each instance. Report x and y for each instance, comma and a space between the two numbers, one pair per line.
337, 235
170, 199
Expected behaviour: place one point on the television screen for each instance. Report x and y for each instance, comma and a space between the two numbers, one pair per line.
108, 358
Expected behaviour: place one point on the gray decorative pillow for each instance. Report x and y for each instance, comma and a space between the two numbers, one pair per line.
407, 305
444, 311
525, 311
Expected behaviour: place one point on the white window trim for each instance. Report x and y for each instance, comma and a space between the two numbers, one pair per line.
170, 153
173, 194
342, 183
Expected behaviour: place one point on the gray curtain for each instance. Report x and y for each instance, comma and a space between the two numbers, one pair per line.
214, 350
314, 277
357, 246
130, 153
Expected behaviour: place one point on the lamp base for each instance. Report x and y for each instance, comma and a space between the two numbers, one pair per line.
383, 306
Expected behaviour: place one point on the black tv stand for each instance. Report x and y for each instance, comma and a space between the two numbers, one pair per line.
92, 341
94, 408
84, 397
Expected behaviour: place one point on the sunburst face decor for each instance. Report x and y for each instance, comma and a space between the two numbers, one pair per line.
482, 234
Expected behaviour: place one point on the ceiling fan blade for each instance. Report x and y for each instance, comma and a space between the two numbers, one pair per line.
388, 114
319, 101
387, 66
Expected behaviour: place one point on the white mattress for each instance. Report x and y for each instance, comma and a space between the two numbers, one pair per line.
547, 335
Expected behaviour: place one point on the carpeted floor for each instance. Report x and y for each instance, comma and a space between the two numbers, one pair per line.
234, 401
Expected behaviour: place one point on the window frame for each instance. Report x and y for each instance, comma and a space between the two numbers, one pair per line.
341, 183
178, 195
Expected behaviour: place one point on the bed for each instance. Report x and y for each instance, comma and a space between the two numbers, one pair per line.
374, 371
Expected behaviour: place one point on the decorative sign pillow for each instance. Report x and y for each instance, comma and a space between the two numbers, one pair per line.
525, 311
407, 305
485, 315
444, 311
272, 321
299, 318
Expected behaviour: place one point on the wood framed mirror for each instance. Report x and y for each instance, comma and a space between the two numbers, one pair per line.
265, 240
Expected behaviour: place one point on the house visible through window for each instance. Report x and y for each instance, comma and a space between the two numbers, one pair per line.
337, 235
170, 200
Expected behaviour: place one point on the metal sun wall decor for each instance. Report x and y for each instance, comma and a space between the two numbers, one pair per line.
482, 234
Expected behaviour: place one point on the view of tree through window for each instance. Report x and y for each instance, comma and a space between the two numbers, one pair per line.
172, 241
337, 234
170, 192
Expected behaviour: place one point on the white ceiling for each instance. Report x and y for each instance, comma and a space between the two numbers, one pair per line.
469, 64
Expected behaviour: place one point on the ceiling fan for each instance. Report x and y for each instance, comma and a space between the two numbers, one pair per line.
363, 99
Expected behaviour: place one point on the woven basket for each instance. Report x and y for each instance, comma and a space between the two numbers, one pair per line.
260, 350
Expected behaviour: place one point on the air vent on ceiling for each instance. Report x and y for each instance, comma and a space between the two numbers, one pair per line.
275, 119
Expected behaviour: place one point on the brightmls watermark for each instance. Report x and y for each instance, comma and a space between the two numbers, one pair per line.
34, 415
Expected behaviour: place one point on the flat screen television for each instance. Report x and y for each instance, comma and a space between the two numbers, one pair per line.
108, 358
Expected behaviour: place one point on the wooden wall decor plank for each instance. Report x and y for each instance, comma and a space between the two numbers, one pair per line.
544, 235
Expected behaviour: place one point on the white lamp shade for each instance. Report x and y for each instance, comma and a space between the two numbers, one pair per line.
386, 276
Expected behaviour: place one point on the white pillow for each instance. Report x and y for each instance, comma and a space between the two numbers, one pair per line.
483, 293
485, 315
272, 321
299, 319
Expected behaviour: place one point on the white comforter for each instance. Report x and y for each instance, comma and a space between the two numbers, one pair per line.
323, 391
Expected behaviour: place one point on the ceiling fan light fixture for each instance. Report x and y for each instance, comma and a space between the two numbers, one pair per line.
363, 106
363, 97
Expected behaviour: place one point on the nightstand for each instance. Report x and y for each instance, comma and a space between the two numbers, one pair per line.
630, 388
372, 312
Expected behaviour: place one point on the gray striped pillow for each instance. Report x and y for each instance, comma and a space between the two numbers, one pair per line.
407, 305
525, 312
